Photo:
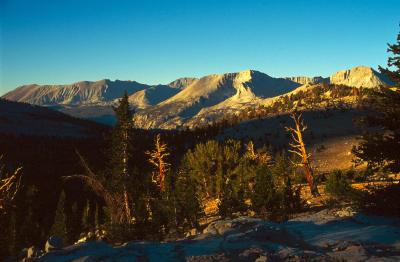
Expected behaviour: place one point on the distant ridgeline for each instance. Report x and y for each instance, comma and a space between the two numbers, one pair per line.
191, 102
23, 119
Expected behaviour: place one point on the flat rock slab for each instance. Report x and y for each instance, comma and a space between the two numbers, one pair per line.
320, 236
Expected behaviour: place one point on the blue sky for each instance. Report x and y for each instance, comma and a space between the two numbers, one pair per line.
59, 42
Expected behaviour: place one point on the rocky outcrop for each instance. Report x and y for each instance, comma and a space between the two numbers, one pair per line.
321, 236
53, 243
182, 83
360, 76
304, 80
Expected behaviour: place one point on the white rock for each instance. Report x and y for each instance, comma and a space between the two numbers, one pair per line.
53, 243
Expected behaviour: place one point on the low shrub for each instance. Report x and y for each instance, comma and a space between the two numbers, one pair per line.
275, 202
337, 185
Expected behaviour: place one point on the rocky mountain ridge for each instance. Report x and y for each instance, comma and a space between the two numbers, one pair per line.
185, 101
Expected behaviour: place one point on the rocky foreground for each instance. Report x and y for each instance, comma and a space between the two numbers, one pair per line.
328, 235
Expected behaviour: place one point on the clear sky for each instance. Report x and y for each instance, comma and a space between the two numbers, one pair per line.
65, 41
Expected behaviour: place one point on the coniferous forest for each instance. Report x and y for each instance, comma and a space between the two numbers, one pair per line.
122, 184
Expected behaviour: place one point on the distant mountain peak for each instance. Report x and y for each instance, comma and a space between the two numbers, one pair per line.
250, 73
359, 76
185, 99
182, 82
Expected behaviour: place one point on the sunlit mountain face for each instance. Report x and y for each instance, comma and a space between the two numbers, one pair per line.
185, 102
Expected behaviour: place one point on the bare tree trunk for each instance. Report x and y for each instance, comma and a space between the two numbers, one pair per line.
128, 213
299, 148
115, 202
127, 208
9, 187
157, 158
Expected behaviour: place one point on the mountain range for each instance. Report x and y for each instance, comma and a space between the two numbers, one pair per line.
184, 102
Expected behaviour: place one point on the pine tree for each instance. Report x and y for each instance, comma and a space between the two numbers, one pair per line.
202, 164
121, 147
188, 202
59, 225
381, 149
263, 198
282, 167
113, 187
394, 62
231, 200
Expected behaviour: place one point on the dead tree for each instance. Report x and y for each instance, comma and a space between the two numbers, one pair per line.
115, 201
9, 187
299, 149
262, 157
157, 158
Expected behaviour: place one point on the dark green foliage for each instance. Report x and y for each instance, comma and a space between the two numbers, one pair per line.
393, 62
221, 171
381, 201
211, 164
232, 200
381, 148
59, 226
290, 199
187, 202
121, 144
264, 198
274, 194
337, 185
140, 189
163, 216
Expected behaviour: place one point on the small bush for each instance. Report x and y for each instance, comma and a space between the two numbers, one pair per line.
276, 202
290, 200
264, 197
337, 184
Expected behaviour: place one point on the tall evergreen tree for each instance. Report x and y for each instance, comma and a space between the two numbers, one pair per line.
121, 148
381, 149
59, 224
393, 62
